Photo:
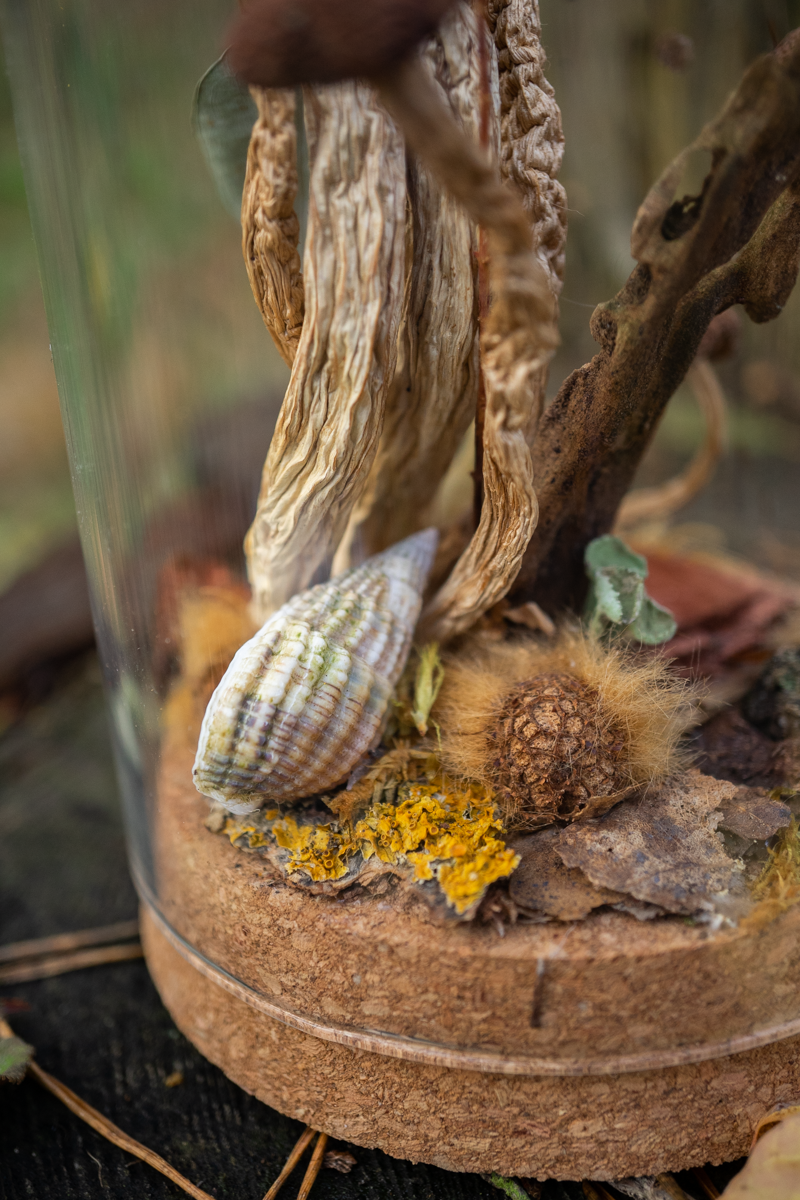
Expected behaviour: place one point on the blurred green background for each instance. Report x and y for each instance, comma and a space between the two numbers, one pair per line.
636, 79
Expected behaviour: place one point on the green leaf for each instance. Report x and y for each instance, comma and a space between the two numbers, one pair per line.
509, 1186
654, 624
223, 116
609, 551
14, 1058
617, 596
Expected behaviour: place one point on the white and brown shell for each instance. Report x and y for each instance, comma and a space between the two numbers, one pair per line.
306, 697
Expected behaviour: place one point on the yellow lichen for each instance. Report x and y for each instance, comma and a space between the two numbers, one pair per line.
444, 832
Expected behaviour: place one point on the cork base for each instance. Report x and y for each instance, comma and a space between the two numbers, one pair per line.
598, 1127
600, 1049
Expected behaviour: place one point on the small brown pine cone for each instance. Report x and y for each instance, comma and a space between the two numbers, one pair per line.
555, 756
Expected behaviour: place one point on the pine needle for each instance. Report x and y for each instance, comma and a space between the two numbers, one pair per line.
106, 1128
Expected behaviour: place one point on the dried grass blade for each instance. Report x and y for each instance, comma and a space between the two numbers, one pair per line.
433, 395
36, 947
656, 503
106, 1128
294, 1158
332, 416
72, 960
314, 1167
270, 229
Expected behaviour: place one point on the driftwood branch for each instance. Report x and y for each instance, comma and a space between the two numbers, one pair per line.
738, 242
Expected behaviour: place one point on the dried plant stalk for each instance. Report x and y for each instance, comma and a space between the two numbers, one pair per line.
532, 139
270, 229
656, 503
328, 429
433, 395
520, 336
532, 143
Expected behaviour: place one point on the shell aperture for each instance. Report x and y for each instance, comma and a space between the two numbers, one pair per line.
305, 698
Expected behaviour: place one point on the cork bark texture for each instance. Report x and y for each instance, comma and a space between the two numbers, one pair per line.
601, 1127
576, 995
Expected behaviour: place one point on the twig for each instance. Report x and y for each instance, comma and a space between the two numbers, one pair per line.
297, 1153
36, 947
106, 1128
654, 503
706, 1184
76, 960
314, 1167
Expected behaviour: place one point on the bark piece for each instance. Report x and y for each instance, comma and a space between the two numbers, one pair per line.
735, 243
432, 399
751, 813
328, 429
270, 229
731, 748
541, 882
663, 849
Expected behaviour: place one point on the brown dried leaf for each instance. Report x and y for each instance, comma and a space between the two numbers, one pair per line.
772, 1172
541, 882
663, 849
433, 395
751, 813
270, 229
331, 420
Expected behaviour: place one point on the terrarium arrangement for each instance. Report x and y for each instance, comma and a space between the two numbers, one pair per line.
474, 829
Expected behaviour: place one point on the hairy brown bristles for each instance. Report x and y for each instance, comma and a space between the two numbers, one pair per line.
560, 731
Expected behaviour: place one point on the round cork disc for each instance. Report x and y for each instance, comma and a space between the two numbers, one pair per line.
598, 1049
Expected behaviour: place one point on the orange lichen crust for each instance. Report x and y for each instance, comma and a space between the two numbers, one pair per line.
450, 834
612, 722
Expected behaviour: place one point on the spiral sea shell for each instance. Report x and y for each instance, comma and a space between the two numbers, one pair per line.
305, 698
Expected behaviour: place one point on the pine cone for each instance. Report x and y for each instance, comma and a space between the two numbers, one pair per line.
554, 753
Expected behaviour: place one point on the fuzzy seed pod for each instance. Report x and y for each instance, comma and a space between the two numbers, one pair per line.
556, 754
563, 730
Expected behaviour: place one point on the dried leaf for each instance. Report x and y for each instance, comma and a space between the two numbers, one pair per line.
432, 399
328, 430
663, 849
752, 813
270, 228
772, 1172
223, 114
339, 1160
649, 1187
541, 882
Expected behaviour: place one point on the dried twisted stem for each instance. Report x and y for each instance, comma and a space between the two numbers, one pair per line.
532, 144
433, 395
520, 337
736, 243
270, 229
328, 429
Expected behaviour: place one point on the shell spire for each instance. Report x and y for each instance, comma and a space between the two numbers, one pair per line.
306, 697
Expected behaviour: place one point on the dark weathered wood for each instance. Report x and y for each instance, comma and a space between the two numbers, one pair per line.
736, 243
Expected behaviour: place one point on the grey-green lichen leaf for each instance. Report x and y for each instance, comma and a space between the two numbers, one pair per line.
14, 1058
617, 596
223, 115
